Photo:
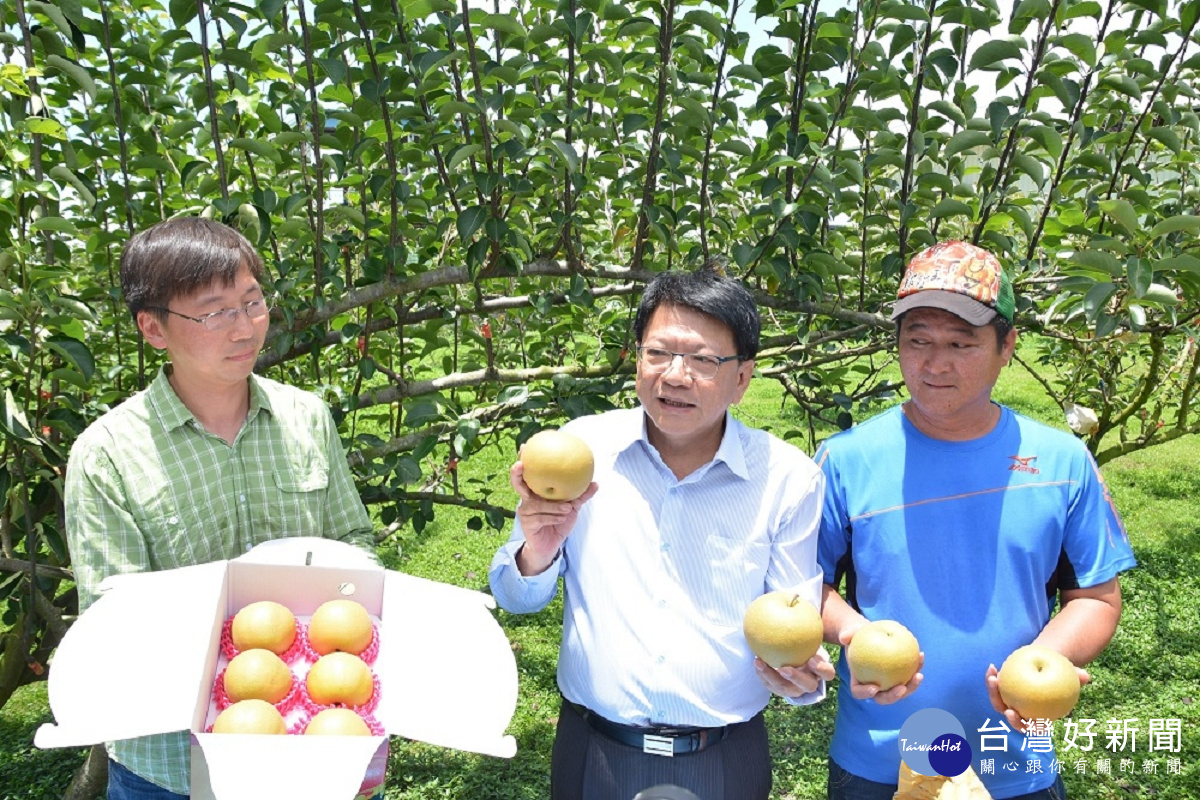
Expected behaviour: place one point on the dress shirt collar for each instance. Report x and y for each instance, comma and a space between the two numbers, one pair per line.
730, 451
175, 414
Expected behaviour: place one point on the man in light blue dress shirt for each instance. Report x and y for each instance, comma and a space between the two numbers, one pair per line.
692, 516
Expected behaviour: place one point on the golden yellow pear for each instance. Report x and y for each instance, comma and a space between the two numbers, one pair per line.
337, 722
558, 465
257, 674
1039, 683
250, 716
340, 678
782, 628
265, 624
340, 625
884, 653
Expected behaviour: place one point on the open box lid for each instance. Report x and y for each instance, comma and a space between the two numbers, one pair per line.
448, 673
135, 663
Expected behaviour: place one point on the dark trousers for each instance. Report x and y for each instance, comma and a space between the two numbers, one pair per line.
586, 765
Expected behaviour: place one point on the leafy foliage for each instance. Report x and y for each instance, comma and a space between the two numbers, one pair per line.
459, 203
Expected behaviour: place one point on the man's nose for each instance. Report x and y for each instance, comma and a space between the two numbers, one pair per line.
243, 325
677, 369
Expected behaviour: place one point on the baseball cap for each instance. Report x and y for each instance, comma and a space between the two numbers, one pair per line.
958, 277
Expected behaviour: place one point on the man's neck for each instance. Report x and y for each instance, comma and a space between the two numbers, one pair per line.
221, 410
683, 457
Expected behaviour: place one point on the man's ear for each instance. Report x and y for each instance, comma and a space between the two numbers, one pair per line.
152, 330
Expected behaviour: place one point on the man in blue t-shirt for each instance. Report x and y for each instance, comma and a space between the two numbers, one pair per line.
965, 522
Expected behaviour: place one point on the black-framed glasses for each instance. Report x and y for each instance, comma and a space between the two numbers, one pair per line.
219, 320
698, 365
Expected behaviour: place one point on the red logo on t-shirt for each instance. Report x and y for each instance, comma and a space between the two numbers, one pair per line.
1023, 464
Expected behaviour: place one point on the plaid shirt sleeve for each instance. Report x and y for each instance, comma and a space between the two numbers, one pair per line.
95, 501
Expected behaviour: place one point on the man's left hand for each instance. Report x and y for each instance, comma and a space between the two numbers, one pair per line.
797, 681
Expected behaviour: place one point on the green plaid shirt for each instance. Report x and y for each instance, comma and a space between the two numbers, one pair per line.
148, 488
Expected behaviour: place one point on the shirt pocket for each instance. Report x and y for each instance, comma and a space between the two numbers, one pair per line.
300, 493
737, 575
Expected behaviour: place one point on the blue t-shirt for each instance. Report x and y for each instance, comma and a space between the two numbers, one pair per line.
966, 544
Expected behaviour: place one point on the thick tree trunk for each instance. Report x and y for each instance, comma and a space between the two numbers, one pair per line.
91, 779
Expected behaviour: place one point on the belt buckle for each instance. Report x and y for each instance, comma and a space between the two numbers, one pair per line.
658, 745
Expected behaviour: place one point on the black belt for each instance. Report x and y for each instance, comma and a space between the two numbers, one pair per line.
657, 740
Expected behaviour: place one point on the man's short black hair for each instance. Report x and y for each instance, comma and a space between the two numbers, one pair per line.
722, 298
182, 256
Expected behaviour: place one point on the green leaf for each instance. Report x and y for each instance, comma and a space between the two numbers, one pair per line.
1081, 46
1050, 139
1139, 273
505, 23
260, 148
462, 154
833, 30
45, 127
1183, 262
1123, 84
12, 418
949, 111
78, 75
637, 26
746, 71
1098, 260
568, 152
62, 173
991, 53
334, 68
182, 12
634, 122
1160, 294
76, 353
1096, 298
708, 21
1089, 8
470, 221
56, 224
965, 140
1122, 212
1180, 222
1167, 136
950, 207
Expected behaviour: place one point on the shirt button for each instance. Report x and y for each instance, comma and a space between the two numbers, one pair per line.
173, 520
661, 659
662, 603
666, 547
242, 497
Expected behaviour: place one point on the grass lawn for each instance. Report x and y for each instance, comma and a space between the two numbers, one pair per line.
1151, 671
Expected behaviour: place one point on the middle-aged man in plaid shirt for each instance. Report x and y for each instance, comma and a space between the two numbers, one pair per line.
209, 460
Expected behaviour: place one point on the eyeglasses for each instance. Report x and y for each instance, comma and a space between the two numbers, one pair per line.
219, 320
698, 365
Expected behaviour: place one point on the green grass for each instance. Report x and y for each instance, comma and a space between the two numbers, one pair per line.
1151, 669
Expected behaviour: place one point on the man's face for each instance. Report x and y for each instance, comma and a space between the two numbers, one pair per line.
210, 358
950, 367
682, 409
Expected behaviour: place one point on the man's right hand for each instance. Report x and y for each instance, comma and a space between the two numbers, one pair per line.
545, 523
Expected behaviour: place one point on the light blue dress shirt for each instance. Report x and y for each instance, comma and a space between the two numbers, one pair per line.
659, 571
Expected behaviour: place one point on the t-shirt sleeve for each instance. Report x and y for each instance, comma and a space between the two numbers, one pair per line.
1096, 547
834, 536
